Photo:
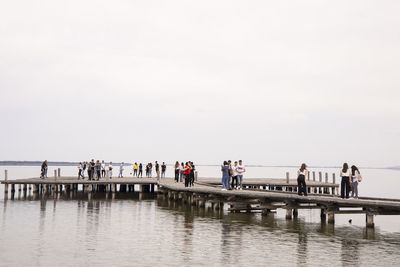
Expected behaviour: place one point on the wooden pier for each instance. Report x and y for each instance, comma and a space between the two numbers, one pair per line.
258, 195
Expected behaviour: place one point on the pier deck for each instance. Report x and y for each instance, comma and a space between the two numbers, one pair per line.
258, 195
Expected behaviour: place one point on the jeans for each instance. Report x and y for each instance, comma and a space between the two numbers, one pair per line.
225, 182
140, 173
181, 176
345, 187
163, 174
354, 192
135, 172
301, 185
120, 173
239, 178
234, 180
103, 173
187, 180
177, 175
110, 173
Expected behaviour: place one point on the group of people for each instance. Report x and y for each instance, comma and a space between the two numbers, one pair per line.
97, 170
232, 175
185, 171
349, 183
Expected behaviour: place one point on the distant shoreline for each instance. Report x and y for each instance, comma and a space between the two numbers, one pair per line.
68, 163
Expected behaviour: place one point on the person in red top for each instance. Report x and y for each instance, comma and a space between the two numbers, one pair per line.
186, 172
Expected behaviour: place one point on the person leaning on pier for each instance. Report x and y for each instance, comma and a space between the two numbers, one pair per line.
301, 180
355, 179
345, 184
110, 168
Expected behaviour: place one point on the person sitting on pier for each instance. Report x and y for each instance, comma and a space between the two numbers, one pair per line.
121, 170
110, 168
225, 175
301, 180
345, 183
355, 178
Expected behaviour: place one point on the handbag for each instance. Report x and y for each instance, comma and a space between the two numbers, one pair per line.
359, 178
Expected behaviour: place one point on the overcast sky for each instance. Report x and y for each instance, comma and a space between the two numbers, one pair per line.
269, 82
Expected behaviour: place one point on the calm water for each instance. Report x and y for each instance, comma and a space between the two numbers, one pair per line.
152, 232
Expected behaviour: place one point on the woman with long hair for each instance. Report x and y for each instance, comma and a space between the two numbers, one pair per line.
301, 180
345, 184
177, 171
186, 172
355, 177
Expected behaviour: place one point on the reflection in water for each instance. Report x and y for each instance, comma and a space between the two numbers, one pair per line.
118, 232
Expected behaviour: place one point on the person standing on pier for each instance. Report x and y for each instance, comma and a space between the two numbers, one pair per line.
92, 166
83, 169
234, 184
230, 173
225, 175
121, 170
301, 180
192, 170
140, 173
355, 178
103, 169
150, 169
110, 168
80, 168
43, 170
186, 172
135, 169
147, 170
345, 183
163, 170
181, 177
240, 170
177, 169
98, 169
158, 169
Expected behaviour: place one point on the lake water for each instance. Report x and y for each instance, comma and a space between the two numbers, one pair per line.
127, 231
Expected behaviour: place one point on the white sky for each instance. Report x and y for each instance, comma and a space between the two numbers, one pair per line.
270, 82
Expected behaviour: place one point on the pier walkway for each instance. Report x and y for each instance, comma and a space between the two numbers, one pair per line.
258, 195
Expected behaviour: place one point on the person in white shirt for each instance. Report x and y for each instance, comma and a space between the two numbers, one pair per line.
240, 171
103, 169
301, 180
234, 184
80, 167
355, 178
121, 170
345, 183
110, 168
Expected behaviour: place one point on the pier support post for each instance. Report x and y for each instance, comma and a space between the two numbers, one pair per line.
289, 214
331, 217
323, 215
5, 175
369, 219
287, 177
295, 213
